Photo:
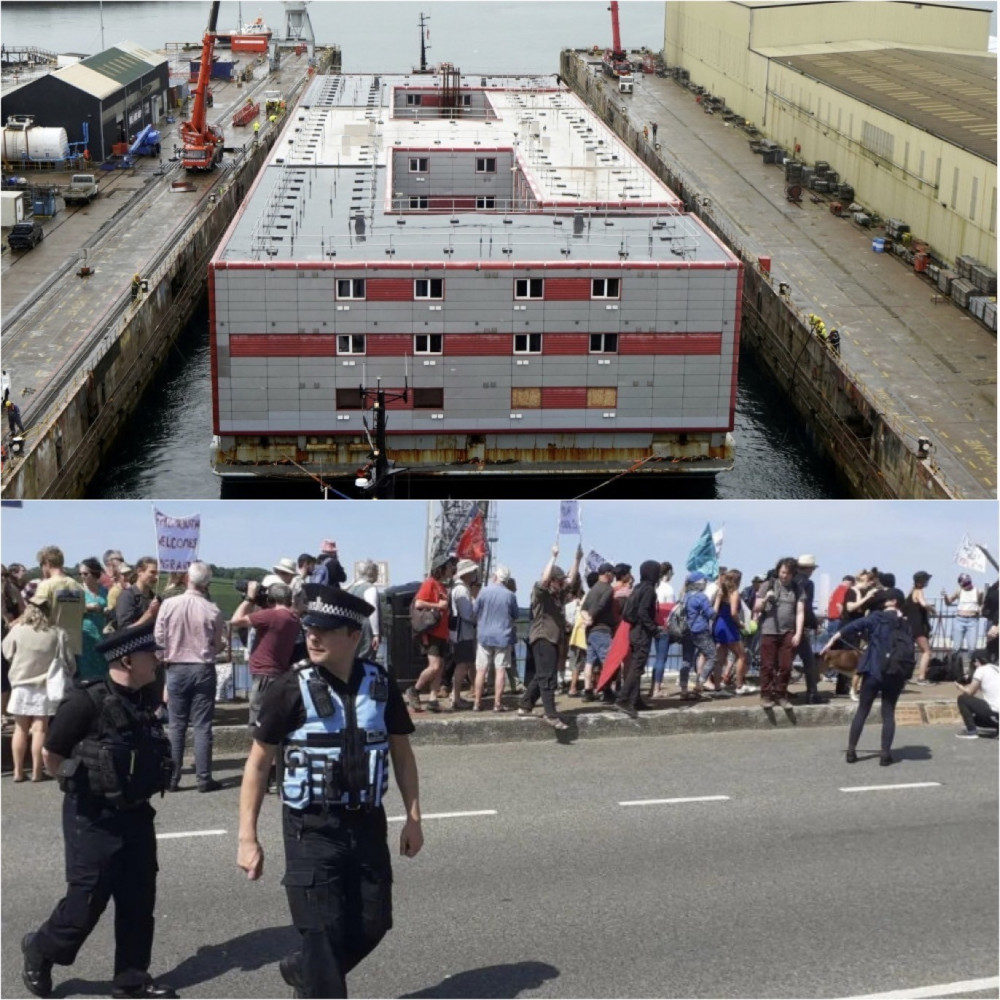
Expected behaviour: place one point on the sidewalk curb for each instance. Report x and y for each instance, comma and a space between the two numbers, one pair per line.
469, 729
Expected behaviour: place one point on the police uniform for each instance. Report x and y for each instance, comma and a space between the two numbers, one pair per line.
333, 740
116, 758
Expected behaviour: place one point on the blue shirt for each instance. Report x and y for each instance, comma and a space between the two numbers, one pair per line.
699, 611
496, 614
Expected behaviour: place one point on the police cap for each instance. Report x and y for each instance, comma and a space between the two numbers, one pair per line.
331, 607
134, 639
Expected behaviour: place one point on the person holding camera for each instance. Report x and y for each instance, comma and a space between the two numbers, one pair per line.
267, 610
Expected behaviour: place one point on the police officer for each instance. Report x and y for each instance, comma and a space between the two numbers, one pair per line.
109, 752
337, 721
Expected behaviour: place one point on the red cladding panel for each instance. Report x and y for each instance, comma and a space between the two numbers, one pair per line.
389, 289
482, 344
388, 345
670, 343
563, 398
565, 343
282, 345
566, 289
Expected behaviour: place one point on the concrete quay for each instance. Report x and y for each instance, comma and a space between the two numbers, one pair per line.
79, 350
911, 365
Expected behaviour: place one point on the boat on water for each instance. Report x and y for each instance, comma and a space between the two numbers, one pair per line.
523, 292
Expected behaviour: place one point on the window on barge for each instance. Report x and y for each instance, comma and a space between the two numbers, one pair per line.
529, 288
527, 343
486, 201
350, 288
351, 343
428, 288
486, 164
419, 164
348, 399
604, 343
428, 399
418, 201
605, 288
428, 343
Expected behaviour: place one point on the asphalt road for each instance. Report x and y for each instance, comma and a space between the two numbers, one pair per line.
779, 883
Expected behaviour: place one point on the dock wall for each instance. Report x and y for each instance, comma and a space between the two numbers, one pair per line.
841, 416
128, 344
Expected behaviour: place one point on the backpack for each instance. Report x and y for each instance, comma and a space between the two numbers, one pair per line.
423, 619
898, 659
951, 668
677, 623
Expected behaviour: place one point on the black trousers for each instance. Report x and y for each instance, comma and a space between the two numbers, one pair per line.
338, 880
110, 854
544, 682
638, 654
890, 689
976, 712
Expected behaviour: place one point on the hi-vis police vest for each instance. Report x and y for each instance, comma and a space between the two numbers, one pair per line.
339, 757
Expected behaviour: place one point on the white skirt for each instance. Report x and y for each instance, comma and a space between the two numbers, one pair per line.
29, 699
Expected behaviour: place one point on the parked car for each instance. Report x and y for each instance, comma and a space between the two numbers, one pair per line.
25, 236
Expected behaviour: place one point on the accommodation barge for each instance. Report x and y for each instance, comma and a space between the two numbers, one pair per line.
529, 296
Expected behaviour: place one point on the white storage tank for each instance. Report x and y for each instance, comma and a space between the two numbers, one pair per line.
33, 143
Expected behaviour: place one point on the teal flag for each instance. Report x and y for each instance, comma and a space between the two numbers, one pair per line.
703, 557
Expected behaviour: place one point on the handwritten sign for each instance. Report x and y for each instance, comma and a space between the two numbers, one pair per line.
176, 541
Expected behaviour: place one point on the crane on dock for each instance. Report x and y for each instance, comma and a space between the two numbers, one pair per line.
615, 60
203, 142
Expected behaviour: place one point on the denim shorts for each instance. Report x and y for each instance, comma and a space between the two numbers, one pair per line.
598, 644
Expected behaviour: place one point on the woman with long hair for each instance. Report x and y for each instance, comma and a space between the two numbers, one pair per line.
90, 664
918, 613
727, 634
31, 645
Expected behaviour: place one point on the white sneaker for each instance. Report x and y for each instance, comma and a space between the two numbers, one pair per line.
747, 689
855, 696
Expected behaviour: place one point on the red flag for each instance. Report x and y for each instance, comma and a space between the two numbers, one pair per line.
472, 544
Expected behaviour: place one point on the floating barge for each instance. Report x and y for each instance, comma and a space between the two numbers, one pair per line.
531, 297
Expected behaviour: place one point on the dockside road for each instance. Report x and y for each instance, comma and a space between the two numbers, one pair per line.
55, 322
931, 366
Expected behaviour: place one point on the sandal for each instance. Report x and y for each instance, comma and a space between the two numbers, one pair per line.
554, 723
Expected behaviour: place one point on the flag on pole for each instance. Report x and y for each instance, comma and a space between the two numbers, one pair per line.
473, 545
703, 557
569, 517
176, 541
970, 556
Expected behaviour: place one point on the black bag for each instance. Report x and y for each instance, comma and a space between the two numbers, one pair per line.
677, 623
423, 619
898, 659
951, 668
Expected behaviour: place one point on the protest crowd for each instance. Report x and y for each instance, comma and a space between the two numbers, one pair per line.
722, 636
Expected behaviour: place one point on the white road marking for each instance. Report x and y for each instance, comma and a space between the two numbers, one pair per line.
190, 833
668, 802
885, 788
456, 815
947, 989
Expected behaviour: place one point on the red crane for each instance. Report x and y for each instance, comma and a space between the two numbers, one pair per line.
203, 142
615, 61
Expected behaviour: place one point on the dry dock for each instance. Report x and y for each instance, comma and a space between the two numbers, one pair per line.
911, 366
79, 350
